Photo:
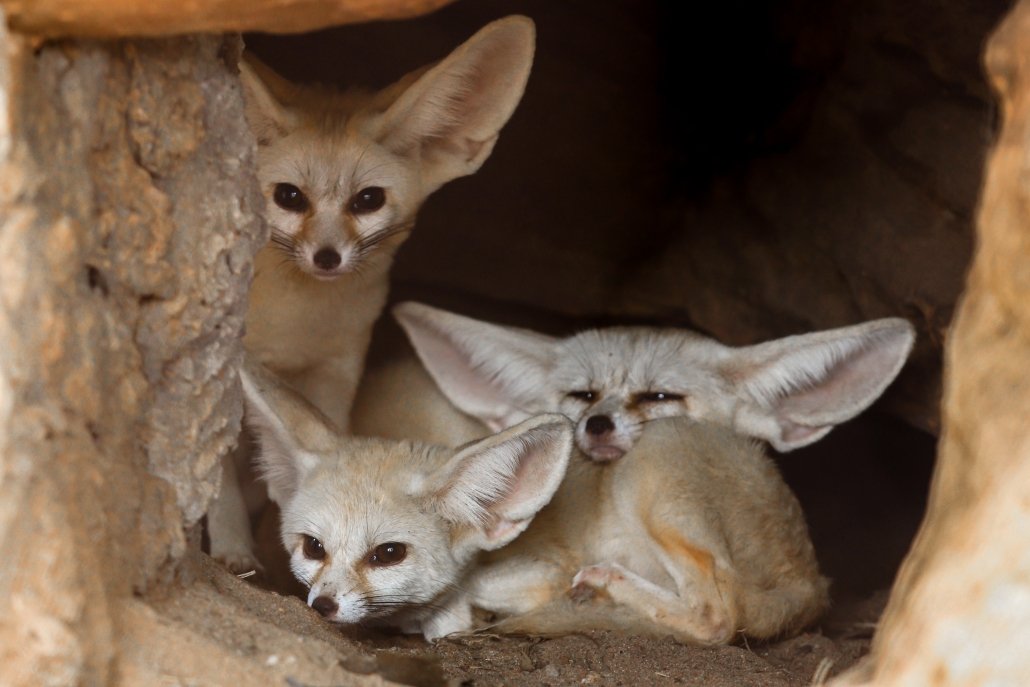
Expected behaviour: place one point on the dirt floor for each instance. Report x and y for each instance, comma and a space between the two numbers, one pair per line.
605, 658
862, 489
213, 629
862, 510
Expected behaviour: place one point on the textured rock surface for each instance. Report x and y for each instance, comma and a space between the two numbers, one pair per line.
860, 203
127, 226
168, 17
959, 614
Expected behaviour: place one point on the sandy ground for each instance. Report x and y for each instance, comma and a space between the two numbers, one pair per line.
604, 658
213, 629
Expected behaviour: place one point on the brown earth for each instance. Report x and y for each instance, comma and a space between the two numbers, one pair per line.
214, 624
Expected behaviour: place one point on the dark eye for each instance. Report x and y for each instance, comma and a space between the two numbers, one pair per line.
387, 554
582, 395
289, 197
313, 548
368, 200
658, 397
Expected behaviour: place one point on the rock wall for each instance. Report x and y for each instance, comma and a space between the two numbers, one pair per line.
128, 222
859, 196
127, 227
53, 18
959, 613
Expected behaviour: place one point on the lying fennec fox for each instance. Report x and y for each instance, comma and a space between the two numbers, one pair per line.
611, 382
692, 532
344, 175
384, 532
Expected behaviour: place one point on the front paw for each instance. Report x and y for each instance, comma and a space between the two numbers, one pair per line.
238, 561
593, 580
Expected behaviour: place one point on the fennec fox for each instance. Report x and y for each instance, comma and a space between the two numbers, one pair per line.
344, 175
789, 392
384, 532
692, 532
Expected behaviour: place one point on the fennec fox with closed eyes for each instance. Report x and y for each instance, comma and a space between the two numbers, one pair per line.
344, 175
691, 531
384, 532
789, 392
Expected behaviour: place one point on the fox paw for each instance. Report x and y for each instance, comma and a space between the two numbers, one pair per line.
598, 576
593, 580
239, 562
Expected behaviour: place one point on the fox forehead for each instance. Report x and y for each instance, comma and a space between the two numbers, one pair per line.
330, 166
357, 496
636, 359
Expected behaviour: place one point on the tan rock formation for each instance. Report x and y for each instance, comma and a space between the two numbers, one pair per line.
959, 614
127, 228
52, 18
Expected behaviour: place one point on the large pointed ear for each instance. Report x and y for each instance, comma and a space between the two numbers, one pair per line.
495, 374
264, 95
793, 391
291, 433
498, 484
454, 112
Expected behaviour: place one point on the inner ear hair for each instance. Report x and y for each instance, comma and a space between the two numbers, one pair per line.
796, 389
454, 111
266, 95
499, 483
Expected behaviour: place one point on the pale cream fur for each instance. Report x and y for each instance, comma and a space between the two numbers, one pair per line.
310, 321
789, 392
312, 324
691, 532
354, 495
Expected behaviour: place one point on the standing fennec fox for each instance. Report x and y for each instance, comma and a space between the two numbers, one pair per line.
344, 175
384, 532
689, 530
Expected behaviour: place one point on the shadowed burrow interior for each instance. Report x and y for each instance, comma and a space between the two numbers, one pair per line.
748, 169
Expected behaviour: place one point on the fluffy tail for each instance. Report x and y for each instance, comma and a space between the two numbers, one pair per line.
785, 609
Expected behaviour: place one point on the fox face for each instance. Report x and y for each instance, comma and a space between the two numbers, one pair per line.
611, 382
336, 200
344, 174
366, 548
382, 531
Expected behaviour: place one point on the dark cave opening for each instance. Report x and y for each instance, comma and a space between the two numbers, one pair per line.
751, 170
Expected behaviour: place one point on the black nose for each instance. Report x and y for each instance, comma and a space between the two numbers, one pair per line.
327, 258
599, 424
324, 605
